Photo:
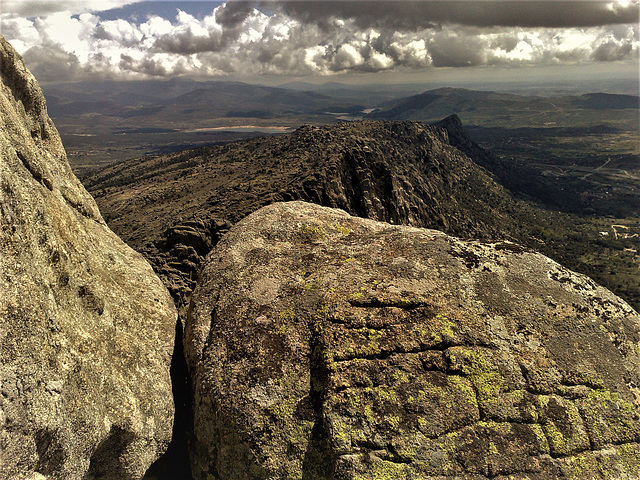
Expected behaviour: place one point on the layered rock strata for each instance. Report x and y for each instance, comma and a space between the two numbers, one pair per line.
86, 327
325, 346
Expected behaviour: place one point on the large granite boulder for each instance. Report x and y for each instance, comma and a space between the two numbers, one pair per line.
86, 327
325, 346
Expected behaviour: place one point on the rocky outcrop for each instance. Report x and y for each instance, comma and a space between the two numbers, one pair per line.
86, 328
324, 346
173, 208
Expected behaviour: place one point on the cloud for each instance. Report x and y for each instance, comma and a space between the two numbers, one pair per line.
36, 8
232, 14
448, 49
53, 64
415, 15
285, 39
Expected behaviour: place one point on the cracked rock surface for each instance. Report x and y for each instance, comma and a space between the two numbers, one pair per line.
86, 327
325, 346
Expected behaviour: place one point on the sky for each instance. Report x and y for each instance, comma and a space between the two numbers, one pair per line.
73, 40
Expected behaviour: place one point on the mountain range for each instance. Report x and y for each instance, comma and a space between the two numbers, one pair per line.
490, 109
567, 152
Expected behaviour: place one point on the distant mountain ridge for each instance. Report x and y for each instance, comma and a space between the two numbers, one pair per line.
446, 101
220, 97
217, 97
161, 116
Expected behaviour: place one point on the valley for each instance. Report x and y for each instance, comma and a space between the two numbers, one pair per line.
571, 162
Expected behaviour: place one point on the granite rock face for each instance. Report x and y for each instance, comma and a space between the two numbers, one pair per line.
325, 346
86, 327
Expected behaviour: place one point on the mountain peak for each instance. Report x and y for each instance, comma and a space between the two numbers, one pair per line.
452, 121
458, 135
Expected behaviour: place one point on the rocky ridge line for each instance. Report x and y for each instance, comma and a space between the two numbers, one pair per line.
175, 208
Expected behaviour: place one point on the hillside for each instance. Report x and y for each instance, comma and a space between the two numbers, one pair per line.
575, 153
578, 154
401, 172
102, 122
493, 109
174, 207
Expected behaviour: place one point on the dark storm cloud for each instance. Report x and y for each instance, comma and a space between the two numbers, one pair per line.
414, 15
456, 51
612, 51
187, 42
327, 38
147, 66
48, 63
232, 14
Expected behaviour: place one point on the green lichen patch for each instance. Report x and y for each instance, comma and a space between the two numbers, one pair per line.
375, 338
611, 463
581, 467
486, 379
342, 229
609, 419
287, 315
384, 470
308, 234
563, 426
445, 327
628, 459
357, 343
395, 396
443, 403
310, 284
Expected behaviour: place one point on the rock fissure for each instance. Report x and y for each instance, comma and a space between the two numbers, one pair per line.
374, 302
38, 177
319, 460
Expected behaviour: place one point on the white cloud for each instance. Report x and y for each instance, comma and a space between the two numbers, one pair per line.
380, 61
35, 8
236, 39
119, 32
347, 57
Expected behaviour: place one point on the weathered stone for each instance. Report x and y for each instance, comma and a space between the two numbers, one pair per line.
322, 346
86, 328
